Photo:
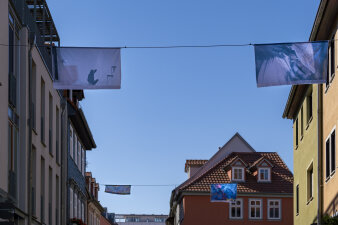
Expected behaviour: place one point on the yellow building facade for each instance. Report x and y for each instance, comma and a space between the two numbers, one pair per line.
314, 111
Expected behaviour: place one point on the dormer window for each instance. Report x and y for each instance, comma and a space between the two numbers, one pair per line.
237, 173
264, 174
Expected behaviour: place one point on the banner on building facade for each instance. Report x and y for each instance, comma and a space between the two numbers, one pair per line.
291, 63
118, 189
87, 68
223, 192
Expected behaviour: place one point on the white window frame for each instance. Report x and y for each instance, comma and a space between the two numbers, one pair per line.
233, 173
260, 208
231, 206
269, 174
279, 208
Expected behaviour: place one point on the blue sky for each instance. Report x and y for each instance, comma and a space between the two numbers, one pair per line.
178, 104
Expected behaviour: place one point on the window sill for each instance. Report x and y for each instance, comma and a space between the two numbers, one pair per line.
51, 154
296, 147
235, 218
297, 214
255, 219
309, 201
330, 177
301, 137
43, 143
274, 219
264, 181
34, 130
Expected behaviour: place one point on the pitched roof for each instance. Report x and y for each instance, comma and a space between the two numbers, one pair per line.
194, 162
281, 177
235, 144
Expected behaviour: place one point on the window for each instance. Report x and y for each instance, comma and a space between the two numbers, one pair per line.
74, 146
82, 213
50, 196
71, 137
57, 136
301, 123
79, 155
71, 202
309, 106
296, 131
255, 209
274, 209
42, 128
264, 174
75, 205
330, 152
42, 187
57, 196
297, 199
236, 209
83, 161
331, 65
238, 174
310, 183
34, 180
33, 95
50, 132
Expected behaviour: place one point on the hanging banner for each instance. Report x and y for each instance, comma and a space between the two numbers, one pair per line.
291, 63
118, 189
223, 192
87, 68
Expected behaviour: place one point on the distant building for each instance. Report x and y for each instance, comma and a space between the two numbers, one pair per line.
264, 193
140, 219
94, 208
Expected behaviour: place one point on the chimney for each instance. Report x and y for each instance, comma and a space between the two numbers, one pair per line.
193, 165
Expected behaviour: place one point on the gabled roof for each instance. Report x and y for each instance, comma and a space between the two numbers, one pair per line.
258, 161
235, 144
281, 177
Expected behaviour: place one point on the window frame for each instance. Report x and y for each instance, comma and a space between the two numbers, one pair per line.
309, 183
279, 209
329, 160
260, 208
241, 207
269, 174
233, 173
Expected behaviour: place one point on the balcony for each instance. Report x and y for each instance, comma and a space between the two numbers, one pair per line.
36, 15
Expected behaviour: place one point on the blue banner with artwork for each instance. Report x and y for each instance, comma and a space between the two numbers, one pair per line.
291, 63
223, 192
118, 189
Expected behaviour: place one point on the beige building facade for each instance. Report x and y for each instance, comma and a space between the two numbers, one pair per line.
30, 118
327, 30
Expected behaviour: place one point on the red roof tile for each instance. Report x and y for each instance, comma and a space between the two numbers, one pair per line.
194, 162
281, 177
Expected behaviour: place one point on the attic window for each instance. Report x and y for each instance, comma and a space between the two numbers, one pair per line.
264, 174
237, 173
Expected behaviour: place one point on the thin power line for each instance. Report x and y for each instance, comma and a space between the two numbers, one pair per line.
141, 185
173, 46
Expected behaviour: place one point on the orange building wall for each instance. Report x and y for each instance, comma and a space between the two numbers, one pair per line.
104, 221
198, 210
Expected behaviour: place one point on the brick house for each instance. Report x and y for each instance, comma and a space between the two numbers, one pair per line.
264, 188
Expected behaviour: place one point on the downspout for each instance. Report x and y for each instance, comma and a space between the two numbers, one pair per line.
30, 126
319, 138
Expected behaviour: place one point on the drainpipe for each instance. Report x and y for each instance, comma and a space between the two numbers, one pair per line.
319, 138
30, 126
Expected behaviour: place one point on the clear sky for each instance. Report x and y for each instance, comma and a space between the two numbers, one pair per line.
178, 104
